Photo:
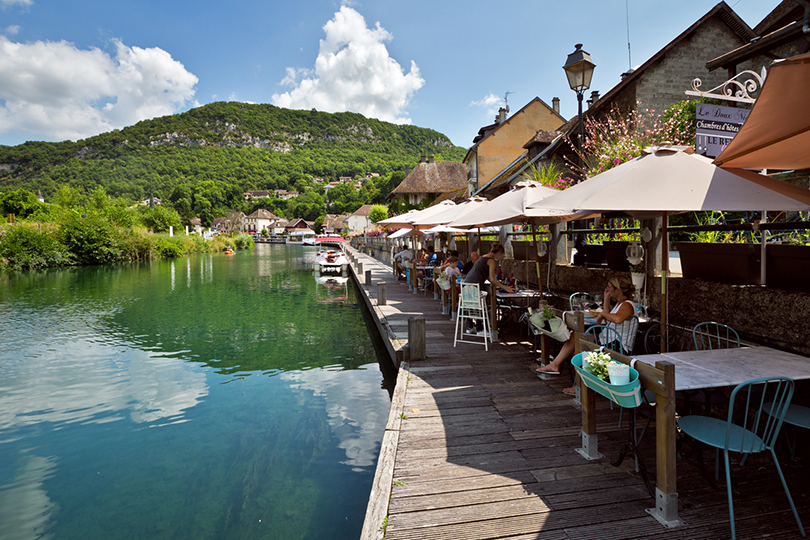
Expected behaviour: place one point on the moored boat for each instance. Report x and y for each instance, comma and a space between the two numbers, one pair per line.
330, 261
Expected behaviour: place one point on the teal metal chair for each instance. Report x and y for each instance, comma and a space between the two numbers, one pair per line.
756, 412
607, 336
713, 335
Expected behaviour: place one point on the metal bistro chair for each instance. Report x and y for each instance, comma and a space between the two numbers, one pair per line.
756, 411
471, 307
713, 335
710, 336
671, 336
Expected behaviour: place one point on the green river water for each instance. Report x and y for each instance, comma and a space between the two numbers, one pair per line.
207, 397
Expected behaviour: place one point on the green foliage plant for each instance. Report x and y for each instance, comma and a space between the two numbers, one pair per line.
25, 246
378, 212
244, 241
92, 239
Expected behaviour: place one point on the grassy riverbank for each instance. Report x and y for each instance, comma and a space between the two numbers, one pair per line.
41, 235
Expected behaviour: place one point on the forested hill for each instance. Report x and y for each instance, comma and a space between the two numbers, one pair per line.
231, 147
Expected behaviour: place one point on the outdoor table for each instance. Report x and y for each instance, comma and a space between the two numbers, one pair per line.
695, 370
520, 299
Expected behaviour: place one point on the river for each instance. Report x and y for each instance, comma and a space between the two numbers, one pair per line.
201, 398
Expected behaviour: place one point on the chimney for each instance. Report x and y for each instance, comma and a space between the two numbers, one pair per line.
430, 159
423, 159
555, 104
407, 170
501, 118
594, 98
627, 73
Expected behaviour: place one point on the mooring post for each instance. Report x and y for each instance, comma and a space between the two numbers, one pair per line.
416, 338
368, 278
359, 269
382, 293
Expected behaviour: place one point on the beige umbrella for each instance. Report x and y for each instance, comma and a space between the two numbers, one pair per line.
401, 220
776, 134
514, 207
673, 179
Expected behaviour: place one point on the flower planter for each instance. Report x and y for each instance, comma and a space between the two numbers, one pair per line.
787, 267
736, 264
616, 256
626, 395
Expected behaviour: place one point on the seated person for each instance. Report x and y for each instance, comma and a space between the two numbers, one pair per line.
432, 259
406, 254
469, 265
484, 269
423, 256
451, 269
619, 289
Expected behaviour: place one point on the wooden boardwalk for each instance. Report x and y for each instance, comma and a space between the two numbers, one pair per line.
477, 447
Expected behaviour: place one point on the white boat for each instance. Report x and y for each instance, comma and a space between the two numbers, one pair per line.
330, 261
303, 237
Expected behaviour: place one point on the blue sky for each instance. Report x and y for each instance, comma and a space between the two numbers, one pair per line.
70, 70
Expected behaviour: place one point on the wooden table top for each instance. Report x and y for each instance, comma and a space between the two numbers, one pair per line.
729, 367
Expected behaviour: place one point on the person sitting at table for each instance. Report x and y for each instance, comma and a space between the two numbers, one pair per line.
432, 259
619, 290
453, 254
423, 256
406, 254
469, 264
485, 268
451, 267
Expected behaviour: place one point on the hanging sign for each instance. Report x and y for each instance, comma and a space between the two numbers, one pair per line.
716, 126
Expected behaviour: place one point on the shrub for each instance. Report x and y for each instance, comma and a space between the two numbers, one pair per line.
92, 240
24, 247
244, 241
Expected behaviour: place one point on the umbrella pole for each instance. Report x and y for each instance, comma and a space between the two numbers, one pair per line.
664, 273
536, 258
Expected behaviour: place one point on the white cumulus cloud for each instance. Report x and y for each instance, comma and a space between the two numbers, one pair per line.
353, 72
491, 103
62, 92
10, 3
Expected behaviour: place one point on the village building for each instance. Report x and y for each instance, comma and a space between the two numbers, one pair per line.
499, 145
335, 223
259, 220
430, 179
358, 221
285, 195
256, 195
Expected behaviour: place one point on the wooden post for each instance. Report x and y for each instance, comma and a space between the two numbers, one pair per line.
454, 296
444, 299
368, 278
666, 494
416, 338
493, 311
435, 286
590, 440
359, 269
382, 293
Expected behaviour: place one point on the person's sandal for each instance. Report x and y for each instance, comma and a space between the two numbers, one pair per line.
572, 391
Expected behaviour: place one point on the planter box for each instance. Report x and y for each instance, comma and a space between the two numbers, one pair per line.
616, 256
626, 395
788, 267
595, 256
736, 264
524, 251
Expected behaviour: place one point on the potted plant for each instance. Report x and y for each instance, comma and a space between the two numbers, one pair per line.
638, 273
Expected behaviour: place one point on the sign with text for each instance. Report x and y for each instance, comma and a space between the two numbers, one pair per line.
716, 126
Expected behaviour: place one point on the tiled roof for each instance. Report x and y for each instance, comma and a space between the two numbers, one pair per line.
261, 213
542, 137
363, 210
436, 177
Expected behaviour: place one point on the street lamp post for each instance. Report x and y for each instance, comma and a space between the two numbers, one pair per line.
579, 70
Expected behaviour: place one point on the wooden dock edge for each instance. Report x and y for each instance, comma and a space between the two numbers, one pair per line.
377, 509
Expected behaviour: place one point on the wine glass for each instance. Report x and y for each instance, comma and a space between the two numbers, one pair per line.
598, 299
645, 304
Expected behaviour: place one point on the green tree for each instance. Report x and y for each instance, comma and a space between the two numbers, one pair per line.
21, 203
159, 218
377, 213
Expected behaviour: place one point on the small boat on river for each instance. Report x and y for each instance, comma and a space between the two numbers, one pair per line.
330, 261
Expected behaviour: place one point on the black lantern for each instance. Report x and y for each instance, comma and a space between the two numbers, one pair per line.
579, 70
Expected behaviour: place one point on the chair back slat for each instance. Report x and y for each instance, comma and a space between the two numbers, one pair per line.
713, 335
758, 407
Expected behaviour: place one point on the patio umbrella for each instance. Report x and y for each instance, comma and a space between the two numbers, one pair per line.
673, 179
401, 220
514, 207
776, 134
450, 213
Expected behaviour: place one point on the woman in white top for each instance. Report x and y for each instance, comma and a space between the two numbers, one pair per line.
620, 289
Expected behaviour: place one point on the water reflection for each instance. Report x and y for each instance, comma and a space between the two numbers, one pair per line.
25, 508
352, 399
